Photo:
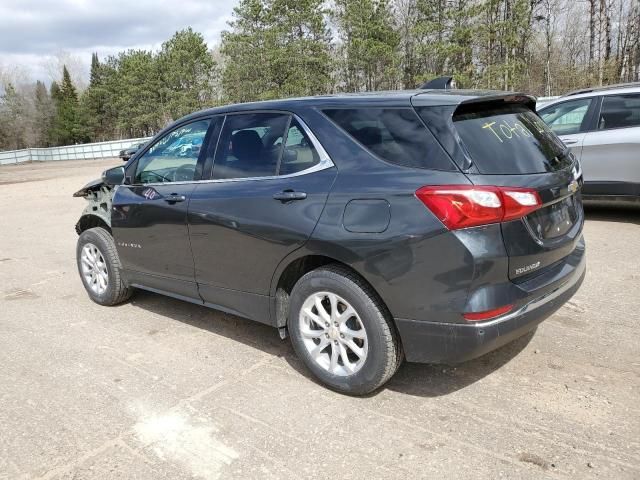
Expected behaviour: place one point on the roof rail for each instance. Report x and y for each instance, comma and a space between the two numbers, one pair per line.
604, 87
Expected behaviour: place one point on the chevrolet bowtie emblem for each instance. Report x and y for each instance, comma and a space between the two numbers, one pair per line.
573, 186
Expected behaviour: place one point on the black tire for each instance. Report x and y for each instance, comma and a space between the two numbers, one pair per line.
384, 350
116, 290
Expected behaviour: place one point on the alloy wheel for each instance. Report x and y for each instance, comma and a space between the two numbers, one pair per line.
333, 333
94, 269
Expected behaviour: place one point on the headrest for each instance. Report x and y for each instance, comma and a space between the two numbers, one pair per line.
246, 145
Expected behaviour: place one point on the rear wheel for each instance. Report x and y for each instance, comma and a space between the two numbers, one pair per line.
99, 267
342, 331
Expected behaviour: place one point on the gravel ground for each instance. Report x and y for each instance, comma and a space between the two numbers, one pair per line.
160, 389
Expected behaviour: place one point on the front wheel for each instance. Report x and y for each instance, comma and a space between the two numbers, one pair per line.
99, 267
342, 331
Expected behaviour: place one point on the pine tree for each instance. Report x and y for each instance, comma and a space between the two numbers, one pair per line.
135, 93
245, 76
188, 72
44, 114
369, 50
276, 48
67, 127
95, 102
12, 118
299, 60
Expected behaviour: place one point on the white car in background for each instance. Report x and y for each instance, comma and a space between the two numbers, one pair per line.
602, 128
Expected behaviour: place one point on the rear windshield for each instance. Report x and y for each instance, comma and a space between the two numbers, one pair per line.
396, 135
510, 140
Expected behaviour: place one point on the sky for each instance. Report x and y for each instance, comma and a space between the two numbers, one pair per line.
35, 34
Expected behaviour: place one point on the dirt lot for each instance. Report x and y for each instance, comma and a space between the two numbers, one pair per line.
160, 389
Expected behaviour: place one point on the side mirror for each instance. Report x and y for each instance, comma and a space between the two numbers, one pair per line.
113, 176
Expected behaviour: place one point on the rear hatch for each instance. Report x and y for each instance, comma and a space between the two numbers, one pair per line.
500, 141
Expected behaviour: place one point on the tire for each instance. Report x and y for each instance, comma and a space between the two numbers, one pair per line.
377, 359
102, 249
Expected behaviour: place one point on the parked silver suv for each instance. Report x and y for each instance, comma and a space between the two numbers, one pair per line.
602, 127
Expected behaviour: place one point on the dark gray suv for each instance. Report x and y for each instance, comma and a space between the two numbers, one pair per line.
427, 225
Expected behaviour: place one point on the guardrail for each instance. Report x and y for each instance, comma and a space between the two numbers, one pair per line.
85, 151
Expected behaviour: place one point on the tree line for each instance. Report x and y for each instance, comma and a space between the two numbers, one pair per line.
285, 48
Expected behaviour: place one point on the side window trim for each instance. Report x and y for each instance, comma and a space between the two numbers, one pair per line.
212, 147
130, 174
591, 122
284, 145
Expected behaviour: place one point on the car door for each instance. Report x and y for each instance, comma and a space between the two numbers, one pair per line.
611, 153
269, 184
149, 218
570, 120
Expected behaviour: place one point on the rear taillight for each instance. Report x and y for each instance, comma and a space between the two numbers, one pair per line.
462, 206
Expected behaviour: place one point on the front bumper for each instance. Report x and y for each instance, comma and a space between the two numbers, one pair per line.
450, 343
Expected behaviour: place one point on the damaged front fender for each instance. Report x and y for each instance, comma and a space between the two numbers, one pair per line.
98, 212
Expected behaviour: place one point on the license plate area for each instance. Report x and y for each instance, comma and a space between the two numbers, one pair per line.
555, 220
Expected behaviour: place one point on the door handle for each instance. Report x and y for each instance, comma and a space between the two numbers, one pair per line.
289, 195
569, 142
174, 198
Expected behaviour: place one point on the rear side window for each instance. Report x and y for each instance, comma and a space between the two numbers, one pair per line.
250, 145
510, 140
619, 111
396, 135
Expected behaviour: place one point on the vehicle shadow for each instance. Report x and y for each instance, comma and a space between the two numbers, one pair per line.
426, 380
253, 334
609, 213
411, 379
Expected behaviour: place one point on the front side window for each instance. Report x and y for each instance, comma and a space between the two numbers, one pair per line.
250, 145
566, 118
299, 153
619, 111
173, 157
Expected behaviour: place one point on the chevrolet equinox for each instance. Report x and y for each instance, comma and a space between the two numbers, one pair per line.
431, 226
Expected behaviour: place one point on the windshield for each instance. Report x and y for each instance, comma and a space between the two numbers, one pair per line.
510, 140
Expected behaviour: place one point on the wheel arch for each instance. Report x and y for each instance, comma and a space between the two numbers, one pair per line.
90, 220
289, 274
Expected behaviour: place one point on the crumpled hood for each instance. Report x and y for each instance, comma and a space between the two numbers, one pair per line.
89, 187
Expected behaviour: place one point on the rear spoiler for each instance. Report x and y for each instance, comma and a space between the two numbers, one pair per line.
497, 101
468, 99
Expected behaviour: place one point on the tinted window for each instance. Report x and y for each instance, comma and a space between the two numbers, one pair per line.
567, 117
250, 145
299, 153
174, 156
510, 140
396, 134
619, 111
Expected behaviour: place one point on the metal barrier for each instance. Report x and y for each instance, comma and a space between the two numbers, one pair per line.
85, 151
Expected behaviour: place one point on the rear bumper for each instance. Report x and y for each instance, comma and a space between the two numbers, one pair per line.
435, 342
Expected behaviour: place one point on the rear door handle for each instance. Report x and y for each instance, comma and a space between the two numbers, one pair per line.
174, 198
569, 141
289, 195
